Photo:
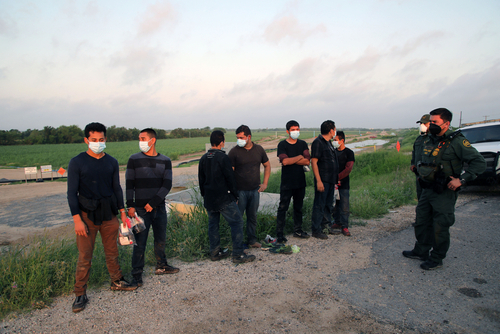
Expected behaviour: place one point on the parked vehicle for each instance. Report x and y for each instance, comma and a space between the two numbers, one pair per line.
485, 138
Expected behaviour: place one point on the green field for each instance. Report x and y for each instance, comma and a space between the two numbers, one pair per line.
59, 155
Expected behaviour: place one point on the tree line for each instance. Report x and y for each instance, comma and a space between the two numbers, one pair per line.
73, 134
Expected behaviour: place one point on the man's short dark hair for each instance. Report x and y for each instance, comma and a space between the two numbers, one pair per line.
94, 127
291, 123
327, 126
216, 137
151, 133
341, 135
245, 129
444, 113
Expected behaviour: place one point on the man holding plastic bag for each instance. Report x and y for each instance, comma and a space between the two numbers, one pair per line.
148, 180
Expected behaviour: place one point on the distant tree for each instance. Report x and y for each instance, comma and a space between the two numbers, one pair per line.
220, 129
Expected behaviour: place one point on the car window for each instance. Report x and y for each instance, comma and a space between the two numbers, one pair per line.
482, 135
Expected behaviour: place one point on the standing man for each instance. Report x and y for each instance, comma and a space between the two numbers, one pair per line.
325, 168
417, 148
294, 155
345, 157
148, 180
246, 159
94, 198
218, 188
443, 154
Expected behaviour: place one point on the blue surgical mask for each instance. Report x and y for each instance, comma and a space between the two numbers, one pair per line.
241, 142
97, 147
335, 144
294, 134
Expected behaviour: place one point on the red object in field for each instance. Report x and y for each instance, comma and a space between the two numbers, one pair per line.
398, 146
61, 171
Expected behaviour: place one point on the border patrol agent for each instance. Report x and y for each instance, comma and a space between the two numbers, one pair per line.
417, 148
440, 171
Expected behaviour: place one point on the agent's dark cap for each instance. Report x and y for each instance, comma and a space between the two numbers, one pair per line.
425, 119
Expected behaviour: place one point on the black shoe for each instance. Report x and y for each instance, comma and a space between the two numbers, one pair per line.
320, 235
136, 280
301, 234
80, 303
411, 255
122, 285
220, 254
166, 269
335, 229
243, 258
281, 240
430, 265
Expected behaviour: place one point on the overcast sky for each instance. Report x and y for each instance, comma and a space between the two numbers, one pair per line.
189, 64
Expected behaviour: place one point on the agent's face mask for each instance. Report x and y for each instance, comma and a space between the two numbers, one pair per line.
144, 146
97, 147
423, 128
294, 134
335, 144
434, 129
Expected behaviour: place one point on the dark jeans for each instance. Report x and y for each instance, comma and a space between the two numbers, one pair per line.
298, 201
341, 209
109, 233
232, 215
323, 201
158, 220
248, 200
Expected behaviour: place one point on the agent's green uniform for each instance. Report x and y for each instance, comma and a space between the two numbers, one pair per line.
416, 156
436, 212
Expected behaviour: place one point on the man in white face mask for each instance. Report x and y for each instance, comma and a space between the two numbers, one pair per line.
148, 181
246, 158
417, 147
95, 197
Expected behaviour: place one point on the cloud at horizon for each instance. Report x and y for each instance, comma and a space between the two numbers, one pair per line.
195, 64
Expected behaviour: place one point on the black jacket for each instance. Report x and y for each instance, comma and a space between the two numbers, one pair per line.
216, 180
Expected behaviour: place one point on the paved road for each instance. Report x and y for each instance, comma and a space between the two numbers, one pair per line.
463, 296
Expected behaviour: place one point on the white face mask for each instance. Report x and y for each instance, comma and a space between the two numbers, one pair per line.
335, 144
423, 128
97, 147
144, 147
241, 142
294, 134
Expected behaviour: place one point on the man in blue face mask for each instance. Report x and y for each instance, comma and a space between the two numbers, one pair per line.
148, 181
95, 197
246, 158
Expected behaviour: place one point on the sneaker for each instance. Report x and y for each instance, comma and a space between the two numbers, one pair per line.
320, 235
430, 265
336, 226
256, 245
412, 255
136, 280
80, 303
166, 269
243, 258
301, 234
220, 254
346, 232
332, 230
122, 285
281, 240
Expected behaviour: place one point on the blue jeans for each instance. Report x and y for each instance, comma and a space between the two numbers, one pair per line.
249, 201
323, 201
158, 220
298, 202
341, 209
232, 215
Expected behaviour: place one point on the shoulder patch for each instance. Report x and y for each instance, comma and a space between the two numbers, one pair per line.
466, 143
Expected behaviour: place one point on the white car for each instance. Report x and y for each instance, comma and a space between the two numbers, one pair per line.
485, 138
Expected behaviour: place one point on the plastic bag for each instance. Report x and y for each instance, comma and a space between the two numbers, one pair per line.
125, 235
138, 224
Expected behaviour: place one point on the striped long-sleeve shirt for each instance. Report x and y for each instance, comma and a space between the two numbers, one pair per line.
147, 180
